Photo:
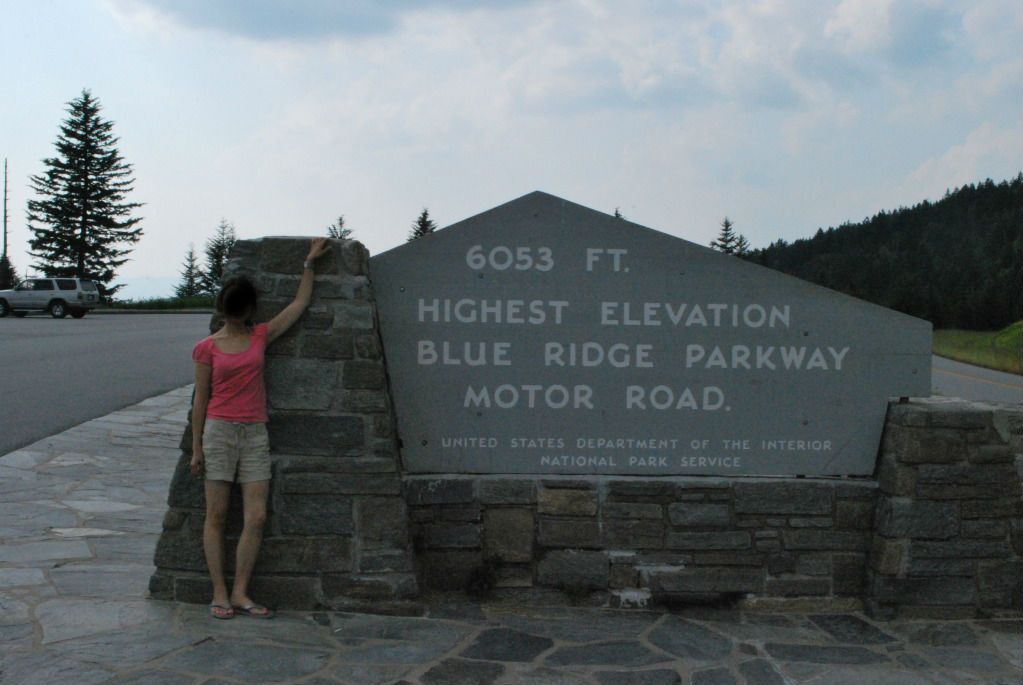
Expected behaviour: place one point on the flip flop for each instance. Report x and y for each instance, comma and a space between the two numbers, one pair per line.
221, 612
253, 611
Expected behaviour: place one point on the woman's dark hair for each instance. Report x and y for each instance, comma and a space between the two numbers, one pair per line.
237, 298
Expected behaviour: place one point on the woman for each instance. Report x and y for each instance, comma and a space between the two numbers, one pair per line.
229, 439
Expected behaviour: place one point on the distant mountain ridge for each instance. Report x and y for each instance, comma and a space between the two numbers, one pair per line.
957, 262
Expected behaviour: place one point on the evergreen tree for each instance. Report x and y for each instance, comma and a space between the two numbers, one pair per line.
741, 246
191, 276
618, 213
8, 274
339, 230
423, 225
217, 249
727, 239
81, 220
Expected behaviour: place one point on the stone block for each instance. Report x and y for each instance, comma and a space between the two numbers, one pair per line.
854, 514
813, 565
507, 491
861, 489
300, 384
706, 579
1001, 583
568, 532
991, 508
568, 483
303, 593
731, 539
161, 586
284, 346
382, 520
367, 346
308, 555
316, 515
315, 435
797, 587
384, 560
449, 569
331, 345
632, 510
315, 318
458, 512
193, 588
354, 258
933, 448
173, 519
783, 497
961, 549
375, 587
421, 491
949, 491
633, 533
991, 454
565, 502
286, 256
340, 484
778, 564
383, 426
812, 539
938, 591
351, 465
812, 522
186, 491
356, 316
365, 402
889, 557
941, 567
699, 514
964, 415
985, 528
363, 375
973, 474
508, 533
902, 517
739, 558
449, 535
848, 574
895, 479
269, 307
574, 570
908, 414
622, 576
513, 576
640, 490
1016, 536
180, 550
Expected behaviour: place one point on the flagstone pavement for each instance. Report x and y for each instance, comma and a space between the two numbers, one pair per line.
80, 513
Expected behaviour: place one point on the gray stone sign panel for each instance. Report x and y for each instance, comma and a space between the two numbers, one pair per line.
545, 337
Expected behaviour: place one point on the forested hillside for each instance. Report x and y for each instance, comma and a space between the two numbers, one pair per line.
957, 262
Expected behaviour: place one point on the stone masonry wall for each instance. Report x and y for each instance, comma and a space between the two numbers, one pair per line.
948, 539
337, 532
644, 539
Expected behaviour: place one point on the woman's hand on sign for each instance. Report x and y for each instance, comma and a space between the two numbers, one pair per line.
319, 247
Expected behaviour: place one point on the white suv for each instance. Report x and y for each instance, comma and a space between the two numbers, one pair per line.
58, 296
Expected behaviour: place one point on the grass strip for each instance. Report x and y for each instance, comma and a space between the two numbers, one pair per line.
1001, 350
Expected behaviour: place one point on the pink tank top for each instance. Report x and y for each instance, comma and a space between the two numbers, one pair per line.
237, 392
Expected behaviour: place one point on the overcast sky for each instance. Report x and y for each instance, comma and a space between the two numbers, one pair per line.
280, 115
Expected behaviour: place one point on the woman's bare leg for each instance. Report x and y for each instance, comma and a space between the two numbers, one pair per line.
218, 493
254, 497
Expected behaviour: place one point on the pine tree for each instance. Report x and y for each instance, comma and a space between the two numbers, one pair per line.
727, 238
81, 220
217, 249
423, 225
191, 276
8, 274
339, 230
741, 246
618, 213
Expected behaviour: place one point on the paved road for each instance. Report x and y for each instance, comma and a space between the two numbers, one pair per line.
56, 373
955, 379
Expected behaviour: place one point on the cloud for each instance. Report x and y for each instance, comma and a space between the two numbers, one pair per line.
988, 151
302, 19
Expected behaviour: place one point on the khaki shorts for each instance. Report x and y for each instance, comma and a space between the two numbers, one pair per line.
236, 451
